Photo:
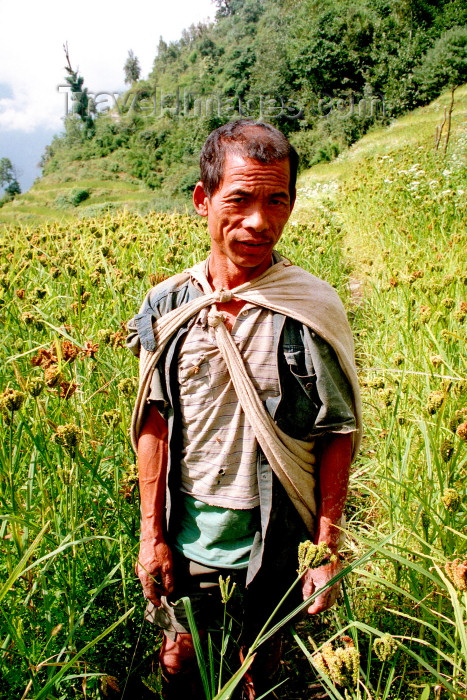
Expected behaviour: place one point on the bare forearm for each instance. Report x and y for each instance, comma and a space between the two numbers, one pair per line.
333, 478
154, 565
152, 470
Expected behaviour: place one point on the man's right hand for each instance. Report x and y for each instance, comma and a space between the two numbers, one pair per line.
155, 570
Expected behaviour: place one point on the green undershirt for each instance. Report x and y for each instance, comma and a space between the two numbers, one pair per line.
216, 536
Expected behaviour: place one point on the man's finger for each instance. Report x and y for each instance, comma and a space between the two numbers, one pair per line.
168, 582
324, 601
152, 593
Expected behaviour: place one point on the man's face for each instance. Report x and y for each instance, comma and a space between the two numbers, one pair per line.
247, 213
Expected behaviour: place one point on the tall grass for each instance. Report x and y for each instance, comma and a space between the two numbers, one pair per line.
404, 217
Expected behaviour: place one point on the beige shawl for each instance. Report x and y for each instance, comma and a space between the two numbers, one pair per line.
287, 289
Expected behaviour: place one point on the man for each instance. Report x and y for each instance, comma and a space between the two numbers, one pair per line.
240, 393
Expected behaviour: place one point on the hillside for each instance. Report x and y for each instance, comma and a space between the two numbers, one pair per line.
50, 198
324, 72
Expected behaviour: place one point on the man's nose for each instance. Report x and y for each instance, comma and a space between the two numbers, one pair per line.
256, 219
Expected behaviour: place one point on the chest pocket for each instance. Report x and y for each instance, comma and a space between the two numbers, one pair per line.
300, 402
301, 368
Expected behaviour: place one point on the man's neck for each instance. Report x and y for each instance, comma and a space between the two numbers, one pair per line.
225, 275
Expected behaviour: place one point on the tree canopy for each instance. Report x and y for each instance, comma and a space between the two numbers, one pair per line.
8, 180
132, 69
323, 71
82, 105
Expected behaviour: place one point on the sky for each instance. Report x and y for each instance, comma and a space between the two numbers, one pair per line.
99, 35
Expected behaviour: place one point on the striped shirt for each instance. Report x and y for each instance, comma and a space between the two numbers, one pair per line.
218, 463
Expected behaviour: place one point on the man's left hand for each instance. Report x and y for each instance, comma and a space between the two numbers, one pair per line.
314, 579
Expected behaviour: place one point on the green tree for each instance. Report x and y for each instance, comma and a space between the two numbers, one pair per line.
444, 65
8, 181
83, 105
227, 8
7, 172
132, 69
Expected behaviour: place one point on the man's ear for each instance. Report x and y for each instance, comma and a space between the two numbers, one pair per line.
292, 201
200, 199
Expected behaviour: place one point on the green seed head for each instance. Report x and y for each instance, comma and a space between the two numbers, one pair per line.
35, 386
377, 383
399, 359
105, 335
226, 589
460, 387
310, 555
426, 520
11, 400
459, 417
385, 647
425, 313
127, 387
27, 318
386, 396
447, 448
451, 500
112, 418
435, 401
68, 436
341, 664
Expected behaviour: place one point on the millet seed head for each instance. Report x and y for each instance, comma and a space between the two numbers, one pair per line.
385, 647
68, 436
35, 386
112, 418
435, 401
310, 555
457, 572
11, 400
451, 500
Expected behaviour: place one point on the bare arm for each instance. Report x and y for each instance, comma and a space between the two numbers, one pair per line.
333, 479
154, 566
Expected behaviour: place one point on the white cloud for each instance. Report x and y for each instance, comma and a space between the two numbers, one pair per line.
99, 35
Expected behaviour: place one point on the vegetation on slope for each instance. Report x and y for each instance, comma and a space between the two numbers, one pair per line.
323, 72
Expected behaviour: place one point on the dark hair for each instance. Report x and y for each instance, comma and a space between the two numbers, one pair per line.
254, 139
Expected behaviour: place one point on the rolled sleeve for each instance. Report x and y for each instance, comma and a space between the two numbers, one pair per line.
140, 328
132, 340
156, 392
141, 334
336, 412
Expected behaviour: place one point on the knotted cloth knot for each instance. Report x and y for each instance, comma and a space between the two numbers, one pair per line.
215, 318
223, 295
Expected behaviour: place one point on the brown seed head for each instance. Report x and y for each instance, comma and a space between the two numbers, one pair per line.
457, 572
